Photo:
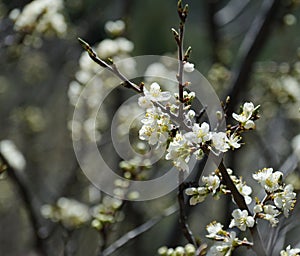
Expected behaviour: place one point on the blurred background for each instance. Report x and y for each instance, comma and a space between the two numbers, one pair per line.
249, 50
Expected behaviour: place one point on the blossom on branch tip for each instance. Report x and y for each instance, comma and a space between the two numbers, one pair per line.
241, 219
155, 94
245, 117
188, 67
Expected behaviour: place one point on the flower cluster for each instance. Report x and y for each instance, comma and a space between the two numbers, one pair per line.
105, 213
280, 199
69, 212
187, 250
226, 241
198, 195
159, 120
282, 196
42, 16
212, 184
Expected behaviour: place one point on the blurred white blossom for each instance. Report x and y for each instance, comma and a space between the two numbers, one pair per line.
12, 155
115, 27
42, 16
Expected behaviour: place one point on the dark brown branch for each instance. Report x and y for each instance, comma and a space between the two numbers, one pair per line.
182, 216
128, 237
238, 198
240, 201
111, 67
251, 46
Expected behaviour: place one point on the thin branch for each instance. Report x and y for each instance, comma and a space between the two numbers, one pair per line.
211, 6
230, 12
240, 201
111, 67
30, 204
131, 235
251, 46
182, 216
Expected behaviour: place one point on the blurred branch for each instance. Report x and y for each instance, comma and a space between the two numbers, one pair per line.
251, 46
182, 216
230, 12
173, 238
128, 237
213, 28
31, 205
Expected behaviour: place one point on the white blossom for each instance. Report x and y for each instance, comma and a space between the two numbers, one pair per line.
188, 67
42, 15
219, 141
198, 194
115, 27
245, 116
69, 212
199, 134
155, 94
270, 214
111, 47
268, 179
225, 247
285, 200
245, 191
212, 182
214, 229
179, 152
144, 102
257, 208
12, 155
233, 141
156, 125
290, 251
241, 219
